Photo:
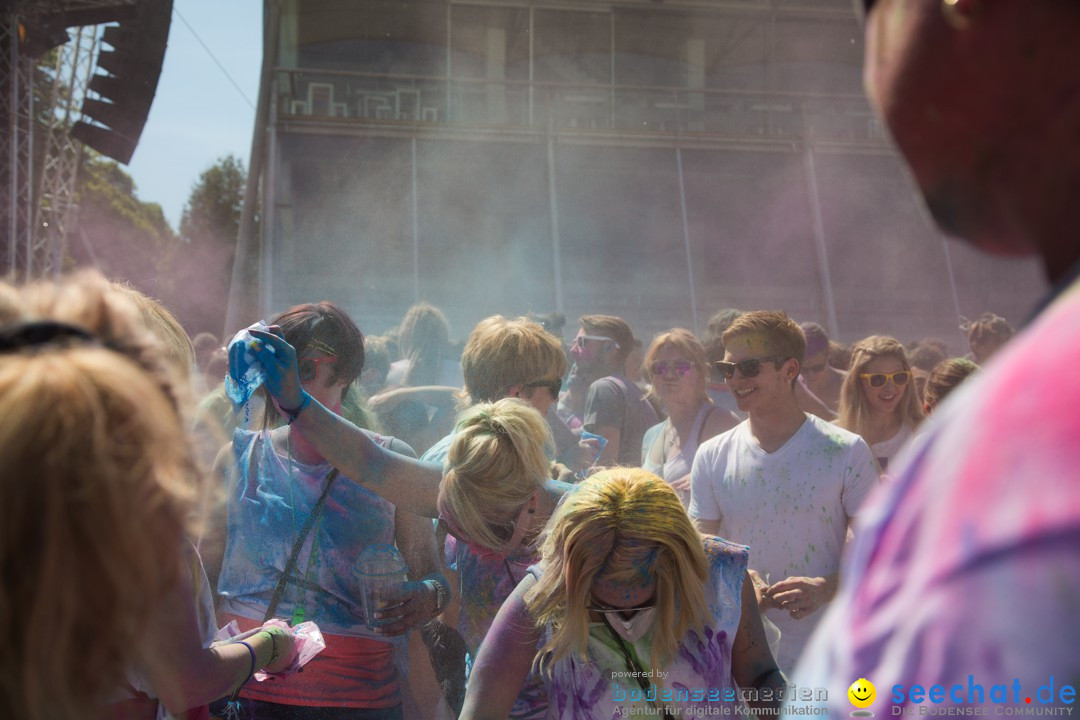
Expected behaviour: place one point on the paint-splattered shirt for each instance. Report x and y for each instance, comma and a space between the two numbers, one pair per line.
966, 568
597, 686
268, 506
791, 506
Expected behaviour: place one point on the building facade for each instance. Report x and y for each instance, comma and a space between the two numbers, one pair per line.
654, 159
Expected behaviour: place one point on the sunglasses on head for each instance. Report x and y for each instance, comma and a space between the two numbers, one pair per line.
553, 386
747, 368
308, 367
680, 367
900, 378
813, 369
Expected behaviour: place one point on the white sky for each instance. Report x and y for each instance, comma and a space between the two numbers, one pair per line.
198, 115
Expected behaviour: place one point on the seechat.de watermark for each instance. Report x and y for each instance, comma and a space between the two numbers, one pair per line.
973, 698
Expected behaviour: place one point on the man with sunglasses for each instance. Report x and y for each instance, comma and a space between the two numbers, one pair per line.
965, 579
615, 408
784, 482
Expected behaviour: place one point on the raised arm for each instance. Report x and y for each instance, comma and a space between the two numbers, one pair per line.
504, 660
410, 484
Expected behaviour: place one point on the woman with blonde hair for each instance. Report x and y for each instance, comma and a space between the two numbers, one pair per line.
679, 374
495, 497
99, 592
630, 611
878, 399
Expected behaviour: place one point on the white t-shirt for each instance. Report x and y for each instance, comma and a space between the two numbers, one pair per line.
886, 449
792, 506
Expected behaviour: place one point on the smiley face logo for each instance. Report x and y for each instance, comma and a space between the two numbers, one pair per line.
862, 693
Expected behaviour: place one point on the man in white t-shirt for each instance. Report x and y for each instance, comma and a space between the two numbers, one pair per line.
783, 482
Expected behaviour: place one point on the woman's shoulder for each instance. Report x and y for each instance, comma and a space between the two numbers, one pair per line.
721, 552
243, 439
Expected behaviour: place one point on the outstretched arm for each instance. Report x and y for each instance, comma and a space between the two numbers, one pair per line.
409, 484
183, 673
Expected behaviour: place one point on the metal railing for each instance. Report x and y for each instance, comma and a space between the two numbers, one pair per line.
380, 99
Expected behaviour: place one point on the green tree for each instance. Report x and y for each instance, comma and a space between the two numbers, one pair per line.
208, 229
212, 212
123, 236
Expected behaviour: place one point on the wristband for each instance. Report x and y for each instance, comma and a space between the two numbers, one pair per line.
760, 679
294, 413
441, 594
251, 651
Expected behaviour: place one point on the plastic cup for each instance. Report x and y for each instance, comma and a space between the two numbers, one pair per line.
381, 575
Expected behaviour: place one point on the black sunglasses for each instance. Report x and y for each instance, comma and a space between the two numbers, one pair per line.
503, 532
555, 386
747, 368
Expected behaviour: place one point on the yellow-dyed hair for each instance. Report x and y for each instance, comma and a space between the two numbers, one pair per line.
626, 526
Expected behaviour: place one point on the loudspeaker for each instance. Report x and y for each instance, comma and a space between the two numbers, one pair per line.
127, 88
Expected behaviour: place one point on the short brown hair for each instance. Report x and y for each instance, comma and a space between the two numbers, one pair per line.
501, 353
783, 336
614, 328
945, 377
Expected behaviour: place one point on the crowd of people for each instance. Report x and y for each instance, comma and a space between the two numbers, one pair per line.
573, 532
302, 488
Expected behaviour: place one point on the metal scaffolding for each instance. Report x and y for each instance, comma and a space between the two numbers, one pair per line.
37, 183
57, 209
17, 151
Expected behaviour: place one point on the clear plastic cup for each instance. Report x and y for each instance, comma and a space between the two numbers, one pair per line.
381, 573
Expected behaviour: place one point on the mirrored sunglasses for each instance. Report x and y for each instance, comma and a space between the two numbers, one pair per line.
680, 367
750, 367
900, 378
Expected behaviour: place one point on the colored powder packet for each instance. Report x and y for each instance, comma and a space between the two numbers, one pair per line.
246, 374
309, 642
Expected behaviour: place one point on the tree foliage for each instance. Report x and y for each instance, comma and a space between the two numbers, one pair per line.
208, 228
124, 236
212, 212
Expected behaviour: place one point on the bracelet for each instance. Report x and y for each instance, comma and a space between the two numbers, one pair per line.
442, 596
251, 651
294, 413
273, 647
760, 679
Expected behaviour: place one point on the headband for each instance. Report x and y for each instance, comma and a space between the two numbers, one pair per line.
40, 333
